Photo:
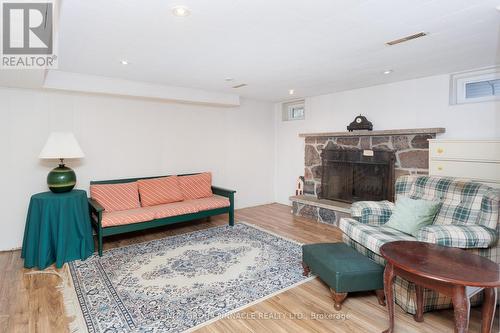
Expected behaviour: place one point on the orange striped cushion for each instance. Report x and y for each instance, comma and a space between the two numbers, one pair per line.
110, 219
212, 202
159, 191
115, 197
174, 209
196, 186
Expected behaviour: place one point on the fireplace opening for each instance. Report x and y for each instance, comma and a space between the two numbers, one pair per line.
350, 175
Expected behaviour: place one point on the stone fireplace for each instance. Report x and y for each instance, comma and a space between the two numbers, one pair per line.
396, 152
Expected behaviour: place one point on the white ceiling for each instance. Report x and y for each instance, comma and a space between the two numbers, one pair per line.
314, 47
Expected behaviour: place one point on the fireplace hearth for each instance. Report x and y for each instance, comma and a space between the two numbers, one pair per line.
350, 175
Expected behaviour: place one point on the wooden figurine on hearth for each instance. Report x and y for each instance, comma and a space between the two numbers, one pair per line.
299, 189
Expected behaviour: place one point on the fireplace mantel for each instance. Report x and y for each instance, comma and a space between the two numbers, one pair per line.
409, 131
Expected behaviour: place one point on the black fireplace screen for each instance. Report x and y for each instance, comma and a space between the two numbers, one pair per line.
355, 175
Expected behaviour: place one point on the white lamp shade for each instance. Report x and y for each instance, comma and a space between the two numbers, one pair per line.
61, 145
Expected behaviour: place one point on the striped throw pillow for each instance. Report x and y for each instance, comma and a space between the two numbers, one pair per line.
196, 186
159, 191
115, 197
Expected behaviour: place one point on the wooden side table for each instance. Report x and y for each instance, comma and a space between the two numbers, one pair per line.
450, 271
57, 229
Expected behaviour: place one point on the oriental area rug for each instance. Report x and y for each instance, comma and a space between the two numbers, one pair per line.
180, 283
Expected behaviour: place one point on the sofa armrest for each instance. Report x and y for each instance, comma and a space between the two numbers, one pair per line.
95, 207
458, 235
96, 211
222, 191
230, 195
372, 212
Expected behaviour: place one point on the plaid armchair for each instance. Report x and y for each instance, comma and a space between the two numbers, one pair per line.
467, 219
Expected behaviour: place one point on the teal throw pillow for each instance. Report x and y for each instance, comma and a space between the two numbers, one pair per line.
412, 214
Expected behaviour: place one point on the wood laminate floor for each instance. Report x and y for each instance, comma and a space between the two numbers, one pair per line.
31, 302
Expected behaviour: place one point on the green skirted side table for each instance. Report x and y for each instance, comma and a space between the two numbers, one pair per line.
57, 229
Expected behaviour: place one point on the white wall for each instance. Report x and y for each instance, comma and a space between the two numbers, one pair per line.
407, 104
125, 137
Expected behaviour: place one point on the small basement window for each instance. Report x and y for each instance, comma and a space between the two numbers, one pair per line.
476, 86
294, 110
478, 89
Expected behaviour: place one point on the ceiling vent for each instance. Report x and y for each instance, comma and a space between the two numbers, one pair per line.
407, 38
240, 85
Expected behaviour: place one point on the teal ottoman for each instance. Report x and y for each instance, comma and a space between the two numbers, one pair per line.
343, 269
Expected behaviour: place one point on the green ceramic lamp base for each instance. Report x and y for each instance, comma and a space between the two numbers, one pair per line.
61, 179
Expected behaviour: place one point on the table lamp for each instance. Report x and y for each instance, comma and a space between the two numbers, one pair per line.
61, 145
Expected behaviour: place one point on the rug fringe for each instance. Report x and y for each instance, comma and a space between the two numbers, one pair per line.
71, 303
271, 232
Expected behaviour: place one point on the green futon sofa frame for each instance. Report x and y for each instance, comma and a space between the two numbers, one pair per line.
96, 211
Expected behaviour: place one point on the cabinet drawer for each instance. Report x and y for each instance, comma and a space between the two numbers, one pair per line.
465, 150
488, 172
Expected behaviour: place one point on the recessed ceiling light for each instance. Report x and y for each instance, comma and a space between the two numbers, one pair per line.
181, 11
240, 85
387, 72
228, 79
291, 92
124, 62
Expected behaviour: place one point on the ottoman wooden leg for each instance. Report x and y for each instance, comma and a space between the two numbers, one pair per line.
380, 296
306, 268
338, 299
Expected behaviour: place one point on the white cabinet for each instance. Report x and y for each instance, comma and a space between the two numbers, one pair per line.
472, 159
